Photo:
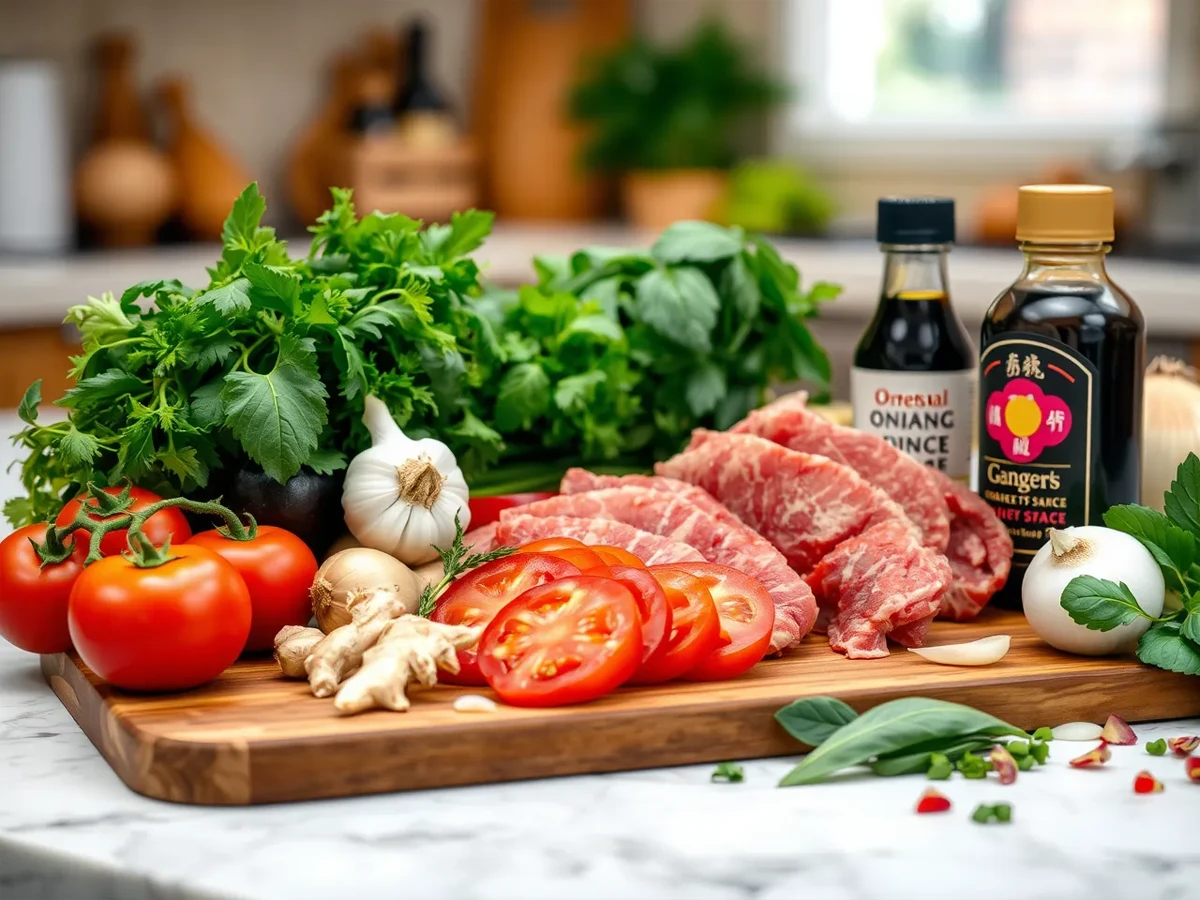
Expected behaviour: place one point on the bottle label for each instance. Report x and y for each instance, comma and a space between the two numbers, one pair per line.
1038, 407
928, 415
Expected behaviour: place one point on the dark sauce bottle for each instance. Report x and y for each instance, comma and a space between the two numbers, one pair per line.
913, 380
1061, 369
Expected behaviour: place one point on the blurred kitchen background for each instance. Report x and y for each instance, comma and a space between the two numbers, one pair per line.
128, 126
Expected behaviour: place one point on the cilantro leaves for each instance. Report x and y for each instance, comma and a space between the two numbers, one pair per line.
1173, 640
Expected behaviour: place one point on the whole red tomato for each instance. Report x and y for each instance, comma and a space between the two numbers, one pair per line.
166, 523
33, 598
165, 628
278, 568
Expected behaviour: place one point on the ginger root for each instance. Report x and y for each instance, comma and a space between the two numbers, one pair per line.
293, 644
333, 659
408, 653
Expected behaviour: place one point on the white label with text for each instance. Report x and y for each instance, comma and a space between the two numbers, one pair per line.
928, 415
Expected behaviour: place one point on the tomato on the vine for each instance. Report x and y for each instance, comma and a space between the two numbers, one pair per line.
278, 569
695, 630
747, 615
165, 627
477, 596
166, 523
568, 641
33, 597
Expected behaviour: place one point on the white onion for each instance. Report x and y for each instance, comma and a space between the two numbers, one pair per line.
1077, 731
1102, 553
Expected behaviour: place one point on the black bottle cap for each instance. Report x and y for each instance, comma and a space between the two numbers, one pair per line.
915, 220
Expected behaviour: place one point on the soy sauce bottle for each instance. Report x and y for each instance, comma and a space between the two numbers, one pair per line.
1063, 354
913, 380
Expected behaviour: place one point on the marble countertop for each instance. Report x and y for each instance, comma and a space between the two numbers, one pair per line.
69, 828
39, 291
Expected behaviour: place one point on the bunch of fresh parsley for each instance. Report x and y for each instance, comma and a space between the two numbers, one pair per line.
1173, 640
609, 361
268, 364
616, 355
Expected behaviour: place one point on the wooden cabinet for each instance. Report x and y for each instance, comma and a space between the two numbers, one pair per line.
28, 354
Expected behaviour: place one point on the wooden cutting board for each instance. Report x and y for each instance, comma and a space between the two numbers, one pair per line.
253, 737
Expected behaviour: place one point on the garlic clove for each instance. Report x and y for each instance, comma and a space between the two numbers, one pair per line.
1077, 731
982, 652
474, 703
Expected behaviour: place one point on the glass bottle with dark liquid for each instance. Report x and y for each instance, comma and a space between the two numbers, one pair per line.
1061, 370
913, 380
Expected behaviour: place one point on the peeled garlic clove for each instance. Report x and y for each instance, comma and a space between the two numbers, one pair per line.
982, 652
1077, 731
1117, 731
474, 703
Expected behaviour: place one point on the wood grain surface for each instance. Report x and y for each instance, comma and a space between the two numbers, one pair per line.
253, 737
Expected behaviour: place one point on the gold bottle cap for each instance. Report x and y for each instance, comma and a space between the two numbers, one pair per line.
1065, 213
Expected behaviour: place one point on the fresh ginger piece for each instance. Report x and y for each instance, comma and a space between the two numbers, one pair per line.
408, 654
334, 658
293, 644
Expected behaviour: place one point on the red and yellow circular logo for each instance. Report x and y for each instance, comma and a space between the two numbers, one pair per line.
1024, 420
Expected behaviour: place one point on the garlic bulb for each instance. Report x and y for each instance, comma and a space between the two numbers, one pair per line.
1171, 422
401, 496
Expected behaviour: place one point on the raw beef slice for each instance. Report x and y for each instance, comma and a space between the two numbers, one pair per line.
880, 582
673, 516
650, 548
802, 503
577, 481
980, 551
789, 421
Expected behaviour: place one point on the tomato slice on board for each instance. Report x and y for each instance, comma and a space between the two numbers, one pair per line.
616, 556
486, 510
695, 628
747, 615
568, 641
573, 551
651, 600
477, 596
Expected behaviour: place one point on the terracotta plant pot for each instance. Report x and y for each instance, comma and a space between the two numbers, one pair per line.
653, 200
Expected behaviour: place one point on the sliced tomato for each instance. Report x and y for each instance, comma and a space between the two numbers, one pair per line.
747, 615
616, 556
486, 510
573, 551
651, 600
568, 641
477, 596
695, 629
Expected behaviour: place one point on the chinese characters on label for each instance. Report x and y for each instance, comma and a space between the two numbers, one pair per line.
1030, 366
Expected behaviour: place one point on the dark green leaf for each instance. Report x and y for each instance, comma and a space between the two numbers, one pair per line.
705, 388
1172, 548
524, 394
1190, 628
467, 233
244, 218
1164, 645
278, 417
729, 771
182, 462
701, 242
739, 285
680, 304
349, 360
213, 352
811, 720
607, 294
207, 411
1182, 501
77, 448
28, 410
137, 448
574, 393
103, 388
326, 462
551, 270
1100, 604
890, 727
229, 299
274, 287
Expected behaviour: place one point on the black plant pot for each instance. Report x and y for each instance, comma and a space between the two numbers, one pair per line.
308, 505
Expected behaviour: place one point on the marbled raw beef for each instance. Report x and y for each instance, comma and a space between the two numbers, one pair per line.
980, 551
650, 548
729, 542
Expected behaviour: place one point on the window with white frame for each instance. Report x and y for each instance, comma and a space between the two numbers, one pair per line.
984, 68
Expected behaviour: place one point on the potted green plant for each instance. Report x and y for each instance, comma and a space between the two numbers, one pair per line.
664, 119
